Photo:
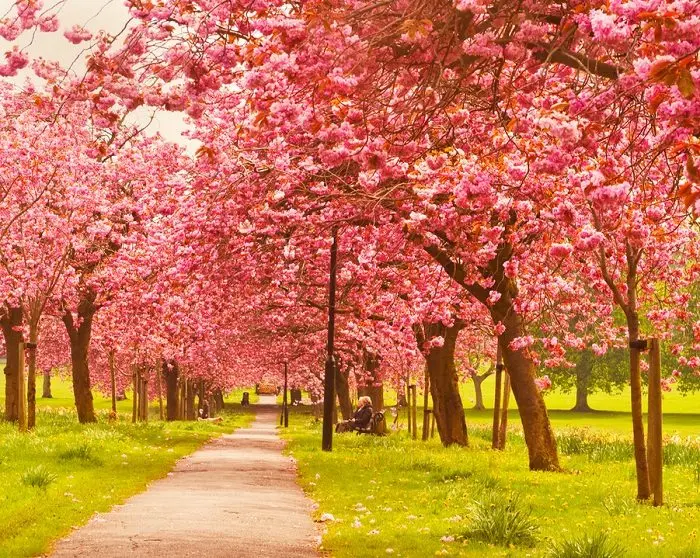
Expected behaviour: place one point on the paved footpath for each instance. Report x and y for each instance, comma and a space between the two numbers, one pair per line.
235, 497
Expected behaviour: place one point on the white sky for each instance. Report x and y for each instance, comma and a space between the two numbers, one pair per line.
108, 15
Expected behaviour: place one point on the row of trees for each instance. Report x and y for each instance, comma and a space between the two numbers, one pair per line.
522, 171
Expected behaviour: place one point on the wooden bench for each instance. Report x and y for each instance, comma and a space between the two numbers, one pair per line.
377, 425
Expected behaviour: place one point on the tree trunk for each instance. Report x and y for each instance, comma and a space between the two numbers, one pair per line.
541, 444
170, 373
46, 392
159, 379
11, 318
503, 425
219, 396
135, 393
583, 371
190, 410
640, 452
540, 440
79, 345
495, 426
31, 375
201, 393
478, 391
444, 387
373, 387
426, 408
342, 388
112, 382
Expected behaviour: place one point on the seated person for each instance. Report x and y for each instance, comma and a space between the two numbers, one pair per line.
360, 418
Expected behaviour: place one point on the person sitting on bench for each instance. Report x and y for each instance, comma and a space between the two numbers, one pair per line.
360, 419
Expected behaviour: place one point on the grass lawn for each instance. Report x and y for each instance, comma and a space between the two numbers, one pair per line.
59, 475
396, 496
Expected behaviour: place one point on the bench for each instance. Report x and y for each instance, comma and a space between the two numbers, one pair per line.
377, 425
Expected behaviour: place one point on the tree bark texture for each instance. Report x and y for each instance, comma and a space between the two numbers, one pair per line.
342, 388
478, 381
540, 440
190, 409
170, 373
79, 335
31, 375
583, 371
539, 437
373, 388
11, 318
640, 452
444, 387
46, 391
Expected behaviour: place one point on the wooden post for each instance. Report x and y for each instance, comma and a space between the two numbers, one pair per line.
113, 380
144, 398
135, 397
408, 404
497, 400
21, 392
426, 410
432, 425
159, 376
503, 426
655, 452
414, 410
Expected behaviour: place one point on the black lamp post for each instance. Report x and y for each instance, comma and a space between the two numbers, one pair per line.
329, 379
285, 408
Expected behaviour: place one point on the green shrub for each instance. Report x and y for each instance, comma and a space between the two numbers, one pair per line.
501, 519
38, 477
587, 546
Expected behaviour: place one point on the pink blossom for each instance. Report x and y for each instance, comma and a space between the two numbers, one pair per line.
543, 383
561, 250
77, 34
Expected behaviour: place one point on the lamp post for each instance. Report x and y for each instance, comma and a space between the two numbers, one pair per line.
285, 408
329, 378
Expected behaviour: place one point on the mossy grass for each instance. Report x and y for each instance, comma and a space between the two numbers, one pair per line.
393, 495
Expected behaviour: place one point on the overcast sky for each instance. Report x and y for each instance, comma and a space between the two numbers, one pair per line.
109, 15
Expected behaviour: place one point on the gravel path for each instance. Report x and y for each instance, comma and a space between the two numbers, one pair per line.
235, 497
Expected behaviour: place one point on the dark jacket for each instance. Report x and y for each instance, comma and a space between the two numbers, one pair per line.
362, 416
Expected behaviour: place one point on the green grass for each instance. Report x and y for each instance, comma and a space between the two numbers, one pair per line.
59, 475
393, 495
611, 411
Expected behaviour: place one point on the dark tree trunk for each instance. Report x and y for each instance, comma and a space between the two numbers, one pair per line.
444, 386
79, 336
583, 371
342, 388
190, 409
540, 440
11, 318
201, 394
640, 452
46, 391
541, 444
219, 396
170, 373
373, 387
31, 376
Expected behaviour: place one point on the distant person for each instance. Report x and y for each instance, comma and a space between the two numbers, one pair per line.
204, 411
361, 418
